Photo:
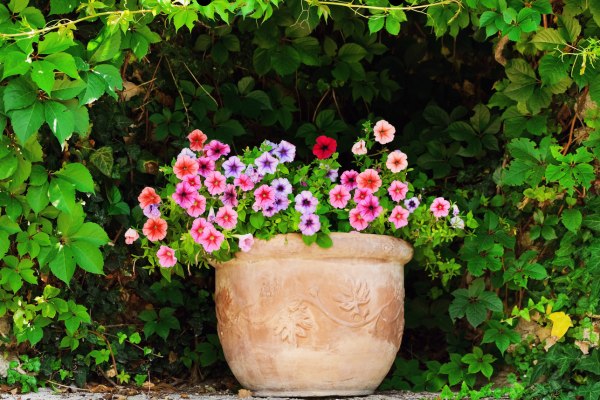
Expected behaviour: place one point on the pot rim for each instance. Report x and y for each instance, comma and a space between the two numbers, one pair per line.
345, 245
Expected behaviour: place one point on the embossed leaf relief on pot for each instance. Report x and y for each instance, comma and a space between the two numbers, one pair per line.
354, 298
294, 322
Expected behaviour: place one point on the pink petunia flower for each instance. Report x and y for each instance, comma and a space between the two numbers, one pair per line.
229, 196
185, 166
339, 196
368, 179
361, 194
215, 183
369, 208
244, 182
205, 166
198, 227
399, 217
227, 217
396, 161
131, 235
166, 257
264, 196
440, 207
194, 181
184, 195
215, 149
398, 190
357, 221
384, 131
211, 239
155, 229
197, 207
197, 139
245, 242
359, 148
148, 197
348, 179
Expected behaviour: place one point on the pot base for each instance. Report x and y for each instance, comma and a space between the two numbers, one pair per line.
312, 393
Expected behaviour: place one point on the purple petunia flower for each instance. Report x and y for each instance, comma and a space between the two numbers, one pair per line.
309, 224
455, 210
348, 179
281, 202
282, 186
233, 167
272, 145
229, 196
152, 211
269, 211
332, 174
306, 203
285, 151
412, 204
266, 163
187, 152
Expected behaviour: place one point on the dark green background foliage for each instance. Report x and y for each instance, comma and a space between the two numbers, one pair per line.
494, 101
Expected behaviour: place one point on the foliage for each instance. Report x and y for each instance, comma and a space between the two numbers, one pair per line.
523, 163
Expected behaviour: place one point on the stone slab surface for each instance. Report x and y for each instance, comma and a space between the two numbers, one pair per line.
46, 394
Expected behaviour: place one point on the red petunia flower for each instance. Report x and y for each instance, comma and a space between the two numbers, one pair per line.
324, 147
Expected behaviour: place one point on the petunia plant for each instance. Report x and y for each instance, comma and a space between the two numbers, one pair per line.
216, 204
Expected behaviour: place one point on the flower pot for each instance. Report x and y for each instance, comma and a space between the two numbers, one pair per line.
297, 320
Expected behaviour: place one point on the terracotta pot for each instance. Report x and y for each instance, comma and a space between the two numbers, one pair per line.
298, 320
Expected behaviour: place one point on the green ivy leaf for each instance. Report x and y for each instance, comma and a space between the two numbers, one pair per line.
54, 42
62, 195
63, 264
66, 89
27, 121
15, 63
37, 197
185, 17
62, 6
109, 47
94, 88
19, 93
285, 60
78, 175
392, 25
103, 160
376, 23
60, 120
63, 62
90, 233
571, 219
111, 75
88, 257
351, 53
42, 73
552, 69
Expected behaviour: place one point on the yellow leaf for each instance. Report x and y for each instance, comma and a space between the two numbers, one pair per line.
561, 323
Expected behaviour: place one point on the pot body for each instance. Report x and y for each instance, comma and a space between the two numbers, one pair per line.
297, 320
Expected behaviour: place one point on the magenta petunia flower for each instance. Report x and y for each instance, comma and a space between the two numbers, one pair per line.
233, 167
266, 164
264, 196
184, 194
211, 239
357, 221
244, 182
282, 186
285, 151
205, 166
369, 208
412, 204
399, 217
398, 190
215, 183
166, 257
245, 242
361, 194
198, 206
309, 224
306, 203
193, 181
339, 196
198, 227
215, 150
440, 207
229, 196
348, 179
226, 217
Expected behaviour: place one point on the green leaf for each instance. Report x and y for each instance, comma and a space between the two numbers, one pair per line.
37, 197
324, 240
62, 195
63, 62
103, 160
62, 6
376, 23
42, 73
88, 257
392, 25
594, 7
552, 69
54, 42
285, 60
66, 89
90, 233
592, 221
571, 219
63, 264
19, 93
8, 165
185, 17
60, 120
15, 63
95, 86
351, 53
108, 48
111, 75
257, 220
78, 175
4, 244
27, 121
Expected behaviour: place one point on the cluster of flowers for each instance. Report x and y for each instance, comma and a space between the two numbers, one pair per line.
206, 178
